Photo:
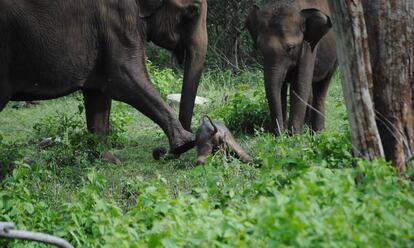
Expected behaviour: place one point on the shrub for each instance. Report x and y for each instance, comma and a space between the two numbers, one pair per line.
73, 145
320, 208
9, 153
164, 80
333, 149
330, 149
245, 111
121, 116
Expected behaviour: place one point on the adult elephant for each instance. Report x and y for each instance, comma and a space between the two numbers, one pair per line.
51, 48
180, 26
298, 47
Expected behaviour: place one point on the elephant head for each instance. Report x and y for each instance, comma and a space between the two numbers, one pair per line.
211, 135
180, 26
288, 37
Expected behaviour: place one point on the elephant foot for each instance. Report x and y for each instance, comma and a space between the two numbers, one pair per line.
177, 147
159, 152
162, 153
110, 158
182, 144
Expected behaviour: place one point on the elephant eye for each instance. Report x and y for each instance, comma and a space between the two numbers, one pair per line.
289, 48
193, 10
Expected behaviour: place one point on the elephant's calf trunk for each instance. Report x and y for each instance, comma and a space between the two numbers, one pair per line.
201, 160
245, 158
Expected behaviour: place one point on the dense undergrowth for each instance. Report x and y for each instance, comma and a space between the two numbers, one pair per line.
301, 191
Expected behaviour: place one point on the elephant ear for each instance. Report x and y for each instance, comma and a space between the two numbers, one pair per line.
251, 23
215, 129
148, 7
315, 25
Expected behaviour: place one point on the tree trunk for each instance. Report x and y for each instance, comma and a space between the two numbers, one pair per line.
377, 62
354, 61
391, 41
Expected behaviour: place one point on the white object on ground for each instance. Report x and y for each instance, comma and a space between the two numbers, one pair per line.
176, 98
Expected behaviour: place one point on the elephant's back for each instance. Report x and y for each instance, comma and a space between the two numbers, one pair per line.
53, 46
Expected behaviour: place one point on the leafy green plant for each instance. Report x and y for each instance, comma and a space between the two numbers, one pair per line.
121, 116
72, 144
330, 149
333, 149
8, 154
164, 80
320, 207
246, 111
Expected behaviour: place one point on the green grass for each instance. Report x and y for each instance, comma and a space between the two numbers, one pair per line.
303, 191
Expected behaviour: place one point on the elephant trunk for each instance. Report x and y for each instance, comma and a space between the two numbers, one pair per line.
196, 49
194, 63
275, 74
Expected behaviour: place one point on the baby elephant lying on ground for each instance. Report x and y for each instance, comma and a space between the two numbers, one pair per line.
211, 135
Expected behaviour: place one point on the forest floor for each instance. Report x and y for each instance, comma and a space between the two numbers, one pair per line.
302, 191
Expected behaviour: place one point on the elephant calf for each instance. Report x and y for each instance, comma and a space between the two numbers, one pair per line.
212, 135
209, 137
299, 52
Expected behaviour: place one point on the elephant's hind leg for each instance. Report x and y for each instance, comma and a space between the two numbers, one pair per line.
284, 99
97, 109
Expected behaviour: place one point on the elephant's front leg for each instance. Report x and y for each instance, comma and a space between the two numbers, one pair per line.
274, 81
320, 91
301, 89
284, 98
300, 93
97, 109
130, 84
